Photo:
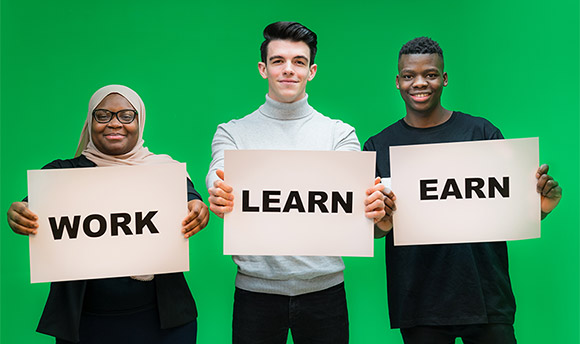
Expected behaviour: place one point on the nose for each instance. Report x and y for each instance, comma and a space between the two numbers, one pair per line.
419, 81
114, 122
288, 70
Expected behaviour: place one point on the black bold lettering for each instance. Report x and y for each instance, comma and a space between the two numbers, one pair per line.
64, 223
87, 225
451, 189
120, 220
504, 190
423, 189
474, 184
317, 198
246, 202
141, 222
346, 205
294, 202
267, 201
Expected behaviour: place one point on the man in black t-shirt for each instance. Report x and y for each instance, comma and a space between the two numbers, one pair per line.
437, 293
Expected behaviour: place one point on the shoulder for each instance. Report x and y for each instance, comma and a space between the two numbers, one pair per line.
384, 135
336, 124
478, 123
80, 161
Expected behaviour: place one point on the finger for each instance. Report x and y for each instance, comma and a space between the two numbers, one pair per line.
20, 229
220, 210
390, 207
221, 175
377, 187
221, 185
22, 209
194, 207
377, 215
23, 221
377, 180
543, 169
220, 201
376, 205
203, 220
542, 180
551, 189
375, 196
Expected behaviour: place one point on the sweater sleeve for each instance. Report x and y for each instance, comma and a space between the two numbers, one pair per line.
345, 138
222, 140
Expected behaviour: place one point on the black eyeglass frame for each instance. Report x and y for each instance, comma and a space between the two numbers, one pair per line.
115, 114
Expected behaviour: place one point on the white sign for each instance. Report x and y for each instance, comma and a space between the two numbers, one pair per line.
299, 203
476, 191
108, 222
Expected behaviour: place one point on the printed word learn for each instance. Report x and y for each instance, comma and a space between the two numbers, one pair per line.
118, 221
272, 202
428, 188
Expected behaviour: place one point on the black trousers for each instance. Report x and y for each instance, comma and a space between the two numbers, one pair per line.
470, 334
319, 317
135, 328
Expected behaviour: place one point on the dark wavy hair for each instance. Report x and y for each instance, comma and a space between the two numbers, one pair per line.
292, 31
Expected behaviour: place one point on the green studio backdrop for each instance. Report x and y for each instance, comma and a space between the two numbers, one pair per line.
195, 66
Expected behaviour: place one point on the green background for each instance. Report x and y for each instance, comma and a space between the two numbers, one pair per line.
195, 66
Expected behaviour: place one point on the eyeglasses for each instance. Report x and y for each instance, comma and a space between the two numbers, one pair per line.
123, 116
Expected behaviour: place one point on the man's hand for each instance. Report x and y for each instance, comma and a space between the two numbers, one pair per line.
386, 224
21, 219
548, 188
374, 203
221, 198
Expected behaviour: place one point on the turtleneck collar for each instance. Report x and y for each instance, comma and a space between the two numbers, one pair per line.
286, 111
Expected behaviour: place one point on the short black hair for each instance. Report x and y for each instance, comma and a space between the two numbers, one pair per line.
292, 31
421, 45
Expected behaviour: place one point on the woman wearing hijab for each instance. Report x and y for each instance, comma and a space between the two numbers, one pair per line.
136, 309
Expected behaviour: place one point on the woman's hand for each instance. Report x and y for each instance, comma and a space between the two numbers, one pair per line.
21, 219
196, 219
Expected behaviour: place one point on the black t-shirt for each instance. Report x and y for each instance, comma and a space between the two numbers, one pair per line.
120, 295
451, 284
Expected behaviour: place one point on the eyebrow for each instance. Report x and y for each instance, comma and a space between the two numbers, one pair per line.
408, 70
281, 57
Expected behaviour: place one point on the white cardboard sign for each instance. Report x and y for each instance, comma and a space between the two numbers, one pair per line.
125, 221
461, 192
279, 206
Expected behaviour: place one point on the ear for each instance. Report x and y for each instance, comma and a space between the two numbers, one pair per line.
397, 82
313, 69
262, 70
444, 79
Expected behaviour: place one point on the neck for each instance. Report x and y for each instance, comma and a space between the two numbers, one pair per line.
429, 119
286, 111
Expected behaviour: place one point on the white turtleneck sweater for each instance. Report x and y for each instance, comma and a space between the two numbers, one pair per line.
283, 126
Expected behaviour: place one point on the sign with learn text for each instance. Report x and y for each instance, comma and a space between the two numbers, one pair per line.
108, 222
308, 203
462, 192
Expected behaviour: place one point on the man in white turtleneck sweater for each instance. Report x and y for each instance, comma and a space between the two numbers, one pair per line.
276, 293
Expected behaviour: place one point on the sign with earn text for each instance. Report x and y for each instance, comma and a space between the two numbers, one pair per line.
308, 203
108, 222
461, 192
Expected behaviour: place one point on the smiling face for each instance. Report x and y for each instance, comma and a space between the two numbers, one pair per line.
115, 138
287, 69
421, 80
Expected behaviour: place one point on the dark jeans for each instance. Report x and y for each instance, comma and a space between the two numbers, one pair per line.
470, 334
319, 317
